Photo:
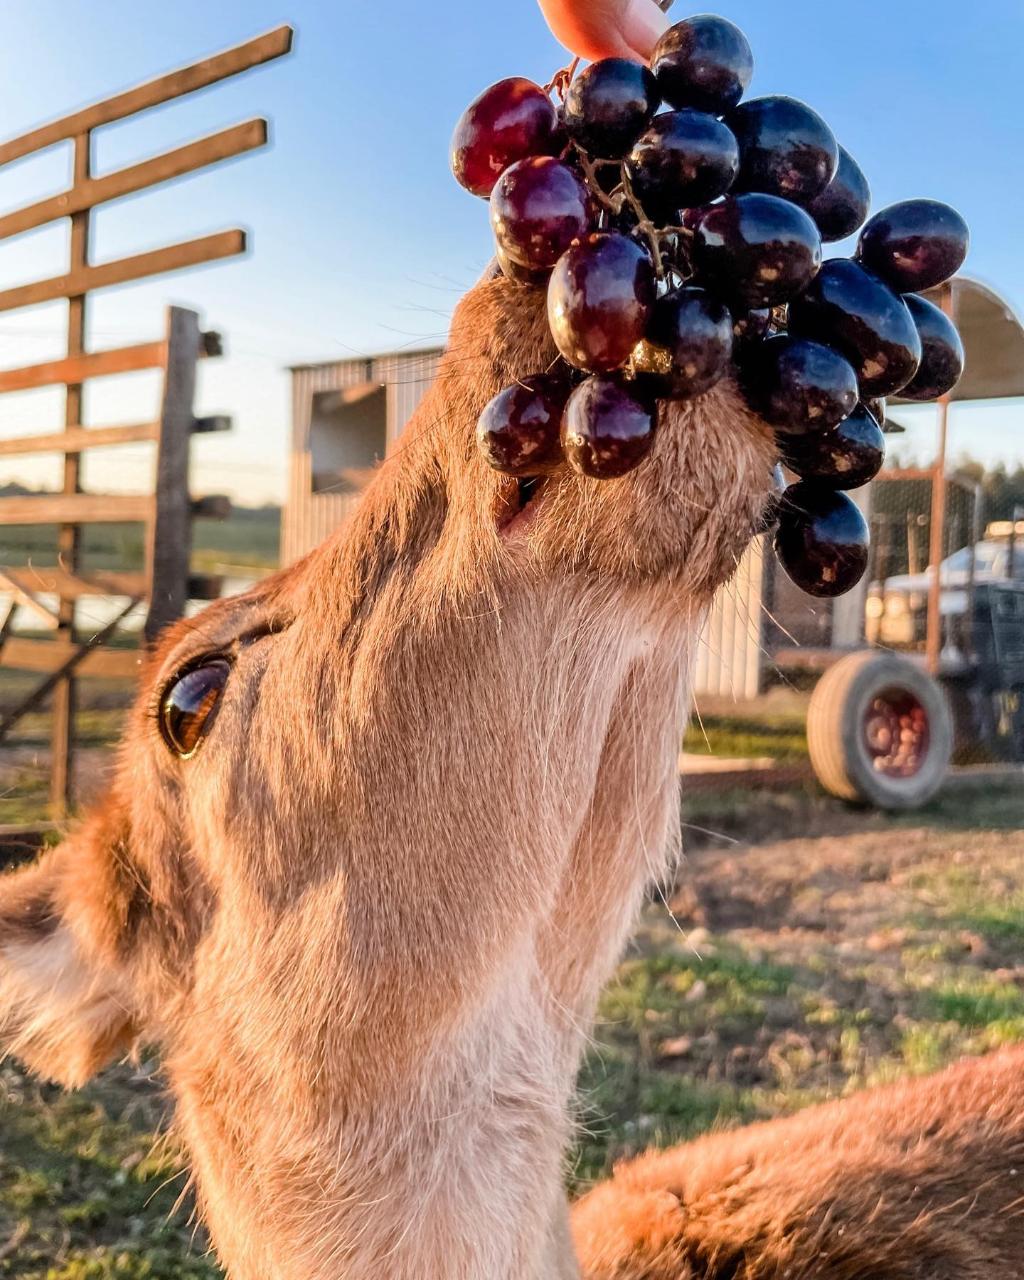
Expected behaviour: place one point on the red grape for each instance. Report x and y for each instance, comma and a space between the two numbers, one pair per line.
846, 457
538, 208
942, 361
757, 250
511, 120
599, 300
685, 158
609, 105
606, 430
691, 332
703, 62
519, 432
842, 207
800, 386
786, 149
857, 313
822, 540
915, 245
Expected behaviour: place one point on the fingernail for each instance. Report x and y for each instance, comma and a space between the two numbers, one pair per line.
643, 25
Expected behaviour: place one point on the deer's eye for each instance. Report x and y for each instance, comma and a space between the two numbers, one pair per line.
189, 705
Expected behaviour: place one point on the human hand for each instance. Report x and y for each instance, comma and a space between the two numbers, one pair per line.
606, 28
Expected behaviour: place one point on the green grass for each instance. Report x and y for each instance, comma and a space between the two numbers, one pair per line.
769, 735
88, 1187
249, 538
847, 950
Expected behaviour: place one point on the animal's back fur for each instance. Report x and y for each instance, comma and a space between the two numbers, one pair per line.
922, 1180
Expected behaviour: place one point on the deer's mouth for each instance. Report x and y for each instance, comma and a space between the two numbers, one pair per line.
519, 504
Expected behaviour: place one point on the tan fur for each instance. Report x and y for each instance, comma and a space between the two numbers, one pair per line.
918, 1181
368, 923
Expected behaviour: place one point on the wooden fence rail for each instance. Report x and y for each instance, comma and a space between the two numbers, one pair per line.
166, 583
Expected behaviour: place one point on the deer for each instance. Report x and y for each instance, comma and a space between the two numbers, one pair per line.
377, 836
920, 1180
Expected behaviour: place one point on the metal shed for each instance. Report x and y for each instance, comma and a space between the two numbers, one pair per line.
346, 416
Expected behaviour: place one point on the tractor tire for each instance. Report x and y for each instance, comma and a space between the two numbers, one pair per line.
880, 732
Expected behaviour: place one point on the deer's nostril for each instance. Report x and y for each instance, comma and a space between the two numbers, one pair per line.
189, 705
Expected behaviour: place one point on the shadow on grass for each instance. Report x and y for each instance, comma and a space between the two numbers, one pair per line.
712, 819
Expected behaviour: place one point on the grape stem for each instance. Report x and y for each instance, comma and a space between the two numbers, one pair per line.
643, 222
589, 168
561, 80
623, 194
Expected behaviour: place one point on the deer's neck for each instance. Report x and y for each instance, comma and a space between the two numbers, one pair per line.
412, 1118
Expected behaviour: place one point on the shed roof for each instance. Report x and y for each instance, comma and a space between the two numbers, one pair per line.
407, 353
993, 336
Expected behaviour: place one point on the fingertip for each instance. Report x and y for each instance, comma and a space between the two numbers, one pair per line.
643, 24
595, 29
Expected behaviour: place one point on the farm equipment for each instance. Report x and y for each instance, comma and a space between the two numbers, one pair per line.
881, 729
884, 724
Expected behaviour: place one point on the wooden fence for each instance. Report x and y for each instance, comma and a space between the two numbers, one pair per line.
165, 584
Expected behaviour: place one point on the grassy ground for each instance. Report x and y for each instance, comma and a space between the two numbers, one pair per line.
250, 538
788, 970
793, 970
773, 726
88, 1187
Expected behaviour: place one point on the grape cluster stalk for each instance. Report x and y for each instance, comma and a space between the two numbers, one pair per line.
678, 230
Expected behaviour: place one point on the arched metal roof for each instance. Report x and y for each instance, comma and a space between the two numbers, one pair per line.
993, 336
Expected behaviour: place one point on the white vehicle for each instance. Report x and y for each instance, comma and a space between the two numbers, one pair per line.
896, 609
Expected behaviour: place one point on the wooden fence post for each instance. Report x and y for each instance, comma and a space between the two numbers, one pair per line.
170, 531
168, 514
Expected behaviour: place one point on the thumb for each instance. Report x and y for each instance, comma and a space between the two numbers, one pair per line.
606, 28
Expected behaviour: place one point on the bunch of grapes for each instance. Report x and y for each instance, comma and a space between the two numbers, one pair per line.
678, 243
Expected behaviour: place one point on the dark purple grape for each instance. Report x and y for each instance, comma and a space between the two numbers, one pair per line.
915, 245
842, 207
689, 343
703, 62
538, 208
800, 386
609, 105
521, 275
822, 540
599, 300
756, 250
770, 515
519, 432
606, 430
942, 361
753, 325
691, 216
786, 149
510, 121
685, 158
877, 408
847, 457
857, 313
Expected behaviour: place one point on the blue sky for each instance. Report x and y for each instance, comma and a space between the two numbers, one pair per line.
361, 240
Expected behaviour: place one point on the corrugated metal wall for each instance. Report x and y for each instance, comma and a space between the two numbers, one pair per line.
729, 655
309, 517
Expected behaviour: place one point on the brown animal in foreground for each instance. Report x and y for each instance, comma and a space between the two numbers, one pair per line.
922, 1180
368, 923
